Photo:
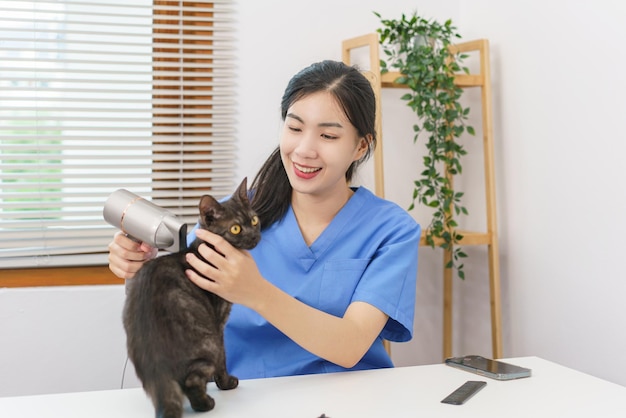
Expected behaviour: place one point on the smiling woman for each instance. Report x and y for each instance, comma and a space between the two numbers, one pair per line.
334, 272
99, 95
318, 145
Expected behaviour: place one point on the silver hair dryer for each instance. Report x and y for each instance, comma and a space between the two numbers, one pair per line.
144, 221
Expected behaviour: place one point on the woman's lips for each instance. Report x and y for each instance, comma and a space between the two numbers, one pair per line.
305, 172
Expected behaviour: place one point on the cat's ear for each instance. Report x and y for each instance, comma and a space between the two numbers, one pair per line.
242, 190
210, 208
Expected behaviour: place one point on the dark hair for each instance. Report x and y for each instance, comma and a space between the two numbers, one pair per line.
353, 92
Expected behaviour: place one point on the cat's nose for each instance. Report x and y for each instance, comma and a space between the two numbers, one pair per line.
250, 243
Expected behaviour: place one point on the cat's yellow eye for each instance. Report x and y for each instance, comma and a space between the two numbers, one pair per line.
235, 229
255, 220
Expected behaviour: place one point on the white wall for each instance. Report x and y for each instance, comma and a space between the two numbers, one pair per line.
558, 86
559, 79
61, 339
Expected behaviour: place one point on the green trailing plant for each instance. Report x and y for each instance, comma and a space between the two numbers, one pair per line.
417, 48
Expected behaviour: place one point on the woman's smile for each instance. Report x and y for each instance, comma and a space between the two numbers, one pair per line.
305, 172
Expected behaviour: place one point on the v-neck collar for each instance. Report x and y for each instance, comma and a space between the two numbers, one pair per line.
307, 255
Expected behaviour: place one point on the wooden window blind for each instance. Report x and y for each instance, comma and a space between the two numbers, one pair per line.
97, 95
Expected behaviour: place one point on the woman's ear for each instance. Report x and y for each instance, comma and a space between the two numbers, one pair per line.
362, 147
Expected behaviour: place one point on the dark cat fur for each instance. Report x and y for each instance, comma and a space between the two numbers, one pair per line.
174, 329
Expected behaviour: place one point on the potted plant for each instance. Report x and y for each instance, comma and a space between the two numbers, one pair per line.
417, 48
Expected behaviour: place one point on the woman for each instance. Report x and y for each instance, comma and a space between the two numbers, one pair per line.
335, 271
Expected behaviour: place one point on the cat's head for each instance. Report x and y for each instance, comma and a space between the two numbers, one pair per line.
233, 219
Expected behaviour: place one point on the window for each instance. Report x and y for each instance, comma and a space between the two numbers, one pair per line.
97, 95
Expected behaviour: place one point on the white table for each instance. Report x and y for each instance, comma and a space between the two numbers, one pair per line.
552, 391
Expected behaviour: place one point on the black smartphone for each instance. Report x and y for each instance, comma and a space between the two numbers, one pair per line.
494, 369
464, 392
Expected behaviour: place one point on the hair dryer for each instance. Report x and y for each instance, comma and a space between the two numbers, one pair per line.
144, 221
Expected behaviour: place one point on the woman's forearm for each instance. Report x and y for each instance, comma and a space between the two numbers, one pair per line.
340, 340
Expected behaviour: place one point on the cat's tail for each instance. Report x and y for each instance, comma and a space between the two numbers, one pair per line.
167, 398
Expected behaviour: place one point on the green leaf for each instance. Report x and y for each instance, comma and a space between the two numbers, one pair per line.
427, 72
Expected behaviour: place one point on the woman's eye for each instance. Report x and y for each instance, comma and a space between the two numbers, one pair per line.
235, 229
294, 129
255, 220
326, 136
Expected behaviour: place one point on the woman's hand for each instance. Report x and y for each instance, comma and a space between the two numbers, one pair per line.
233, 275
230, 273
126, 256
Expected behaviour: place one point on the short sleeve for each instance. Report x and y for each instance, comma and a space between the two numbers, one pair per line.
390, 279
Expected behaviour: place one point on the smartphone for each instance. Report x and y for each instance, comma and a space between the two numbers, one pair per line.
494, 369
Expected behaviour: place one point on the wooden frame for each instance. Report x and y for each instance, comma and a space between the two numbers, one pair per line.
481, 80
58, 276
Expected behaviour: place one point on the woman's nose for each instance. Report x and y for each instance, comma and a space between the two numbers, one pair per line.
306, 147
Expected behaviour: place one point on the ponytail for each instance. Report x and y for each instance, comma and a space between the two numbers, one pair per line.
271, 191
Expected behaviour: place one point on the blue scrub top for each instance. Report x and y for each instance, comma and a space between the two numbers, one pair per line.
367, 253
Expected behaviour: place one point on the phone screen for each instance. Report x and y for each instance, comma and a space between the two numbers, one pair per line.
487, 367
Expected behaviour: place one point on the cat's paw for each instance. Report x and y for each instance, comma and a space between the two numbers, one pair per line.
203, 404
226, 382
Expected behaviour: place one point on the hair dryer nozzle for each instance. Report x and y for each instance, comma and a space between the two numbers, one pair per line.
145, 221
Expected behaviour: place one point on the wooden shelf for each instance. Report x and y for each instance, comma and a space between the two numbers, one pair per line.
483, 81
469, 238
461, 80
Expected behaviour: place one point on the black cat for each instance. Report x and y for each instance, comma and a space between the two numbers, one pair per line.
174, 329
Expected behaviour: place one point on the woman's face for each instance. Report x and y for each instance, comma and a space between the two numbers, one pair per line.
318, 144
